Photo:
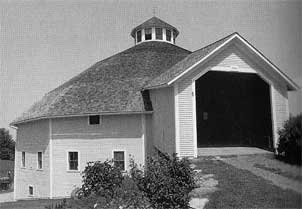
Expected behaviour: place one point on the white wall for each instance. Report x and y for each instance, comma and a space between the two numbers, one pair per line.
231, 57
32, 137
93, 142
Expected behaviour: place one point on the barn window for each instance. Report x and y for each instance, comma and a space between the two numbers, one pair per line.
119, 159
23, 159
138, 36
94, 119
148, 34
31, 190
159, 33
40, 161
168, 35
73, 161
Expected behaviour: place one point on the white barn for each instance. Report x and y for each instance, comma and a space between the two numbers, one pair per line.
155, 94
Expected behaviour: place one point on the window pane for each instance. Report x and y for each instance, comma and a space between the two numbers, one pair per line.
148, 34
174, 36
23, 159
119, 159
168, 35
159, 33
94, 119
73, 160
40, 160
118, 155
30, 190
139, 36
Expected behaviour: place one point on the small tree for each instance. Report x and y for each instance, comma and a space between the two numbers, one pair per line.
167, 181
7, 145
102, 179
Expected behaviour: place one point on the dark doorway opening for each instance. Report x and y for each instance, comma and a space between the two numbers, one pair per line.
233, 109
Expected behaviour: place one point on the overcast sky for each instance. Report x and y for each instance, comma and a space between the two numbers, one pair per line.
45, 43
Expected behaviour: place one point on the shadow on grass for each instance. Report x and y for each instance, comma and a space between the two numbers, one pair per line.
241, 189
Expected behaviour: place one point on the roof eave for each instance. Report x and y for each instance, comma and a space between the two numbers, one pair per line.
14, 124
292, 86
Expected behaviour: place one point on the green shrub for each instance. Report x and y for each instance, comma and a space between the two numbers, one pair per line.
290, 140
102, 179
167, 181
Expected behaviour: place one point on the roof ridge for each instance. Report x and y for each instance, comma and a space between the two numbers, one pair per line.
211, 44
149, 84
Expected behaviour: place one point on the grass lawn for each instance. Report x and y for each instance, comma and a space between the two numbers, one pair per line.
242, 189
28, 204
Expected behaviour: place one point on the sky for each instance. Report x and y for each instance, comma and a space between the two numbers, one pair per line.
45, 43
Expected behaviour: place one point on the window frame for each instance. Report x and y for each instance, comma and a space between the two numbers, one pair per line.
23, 159
169, 36
30, 186
148, 34
161, 34
125, 158
173, 36
38, 165
67, 161
96, 124
141, 37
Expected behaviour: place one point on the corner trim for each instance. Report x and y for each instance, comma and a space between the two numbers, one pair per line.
273, 116
177, 139
144, 137
50, 161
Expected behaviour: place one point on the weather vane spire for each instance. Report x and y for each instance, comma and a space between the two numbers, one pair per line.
154, 10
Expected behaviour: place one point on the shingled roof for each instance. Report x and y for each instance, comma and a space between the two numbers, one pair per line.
109, 86
176, 71
154, 22
181, 66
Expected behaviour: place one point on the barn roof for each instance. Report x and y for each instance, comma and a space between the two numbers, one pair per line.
154, 22
202, 55
111, 85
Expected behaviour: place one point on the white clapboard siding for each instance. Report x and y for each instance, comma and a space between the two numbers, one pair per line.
64, 182
235, 58
94, 143
32, 138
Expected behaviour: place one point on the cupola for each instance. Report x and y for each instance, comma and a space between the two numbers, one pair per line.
154, 29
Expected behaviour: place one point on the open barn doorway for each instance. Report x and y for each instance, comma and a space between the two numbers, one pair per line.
233, 109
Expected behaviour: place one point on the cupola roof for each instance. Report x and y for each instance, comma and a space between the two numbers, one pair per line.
154, 22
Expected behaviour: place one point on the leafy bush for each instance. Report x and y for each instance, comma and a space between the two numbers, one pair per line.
101, 178
167, 181
290, 140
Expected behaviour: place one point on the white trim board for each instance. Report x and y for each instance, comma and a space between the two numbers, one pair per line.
176, 119
293, 85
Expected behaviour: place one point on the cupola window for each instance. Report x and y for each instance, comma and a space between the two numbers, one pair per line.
168, 35
159, 33
139, 36
148, 34
174, 36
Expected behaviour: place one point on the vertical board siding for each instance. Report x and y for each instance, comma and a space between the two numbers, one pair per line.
94, 143
280, 109
163, 119
232, 56
32, 137
185, 115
